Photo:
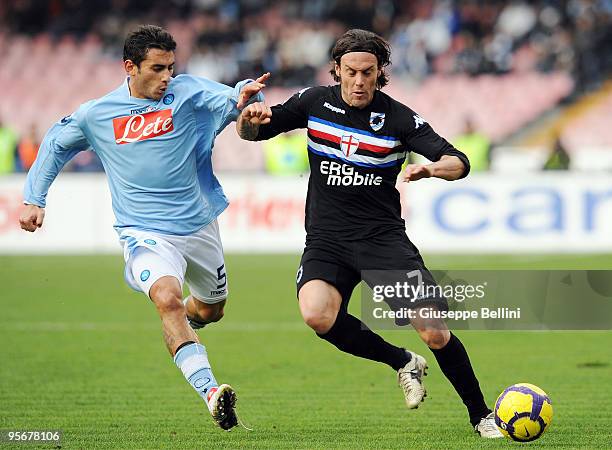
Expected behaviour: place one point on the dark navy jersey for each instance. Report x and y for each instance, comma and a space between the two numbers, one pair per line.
355, 157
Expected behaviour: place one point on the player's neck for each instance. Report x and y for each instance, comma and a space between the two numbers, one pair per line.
134, 93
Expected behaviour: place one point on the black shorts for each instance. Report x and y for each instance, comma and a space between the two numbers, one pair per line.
341, 263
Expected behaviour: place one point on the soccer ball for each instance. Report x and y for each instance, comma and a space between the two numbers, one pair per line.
523, 412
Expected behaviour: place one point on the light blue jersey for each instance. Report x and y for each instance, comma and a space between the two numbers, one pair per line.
156, 154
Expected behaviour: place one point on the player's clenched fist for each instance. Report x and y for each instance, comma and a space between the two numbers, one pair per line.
415, 172
31, 217
257, 114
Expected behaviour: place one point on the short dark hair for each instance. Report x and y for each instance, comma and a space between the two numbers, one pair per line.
357, 40
139, 41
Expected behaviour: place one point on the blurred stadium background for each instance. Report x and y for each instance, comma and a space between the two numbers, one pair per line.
525, 88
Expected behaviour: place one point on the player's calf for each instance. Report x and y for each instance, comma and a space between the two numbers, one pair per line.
166, 295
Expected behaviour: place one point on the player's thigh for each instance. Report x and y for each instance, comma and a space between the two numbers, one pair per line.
206, 275
318, 298
324, 285
155, 274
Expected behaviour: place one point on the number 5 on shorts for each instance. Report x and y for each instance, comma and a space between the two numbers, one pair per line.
221, 276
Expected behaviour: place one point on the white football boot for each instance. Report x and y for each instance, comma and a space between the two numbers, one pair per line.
221, 403
410, 379
486, 428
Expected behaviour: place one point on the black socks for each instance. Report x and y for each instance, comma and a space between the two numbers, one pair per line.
455, 364
352, 336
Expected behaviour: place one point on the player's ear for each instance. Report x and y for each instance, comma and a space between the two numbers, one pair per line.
337, 69
130, 67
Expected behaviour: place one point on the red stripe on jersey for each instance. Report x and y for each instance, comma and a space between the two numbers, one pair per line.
323, 135
337, 139
374, 148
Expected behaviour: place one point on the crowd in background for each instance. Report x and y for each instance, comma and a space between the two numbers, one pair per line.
291, 38
234, 39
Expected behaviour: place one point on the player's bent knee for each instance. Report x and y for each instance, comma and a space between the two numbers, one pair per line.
319, 305
218, 316
318, 317
435, 338
167, 298
320, 323
211, 315
169, 303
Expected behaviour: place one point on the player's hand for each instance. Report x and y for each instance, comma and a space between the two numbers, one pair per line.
414, 172
252, 89
257, 114
31, 217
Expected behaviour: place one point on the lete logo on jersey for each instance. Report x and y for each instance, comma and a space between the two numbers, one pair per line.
140, 127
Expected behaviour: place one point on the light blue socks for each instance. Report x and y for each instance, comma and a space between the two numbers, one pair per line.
193, 362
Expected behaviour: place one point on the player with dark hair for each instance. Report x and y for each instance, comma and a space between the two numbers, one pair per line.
358, 139
154, 135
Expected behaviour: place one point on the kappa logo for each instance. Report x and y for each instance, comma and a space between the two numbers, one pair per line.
140, 127
349, 144
418, 121
334, 108
377, 120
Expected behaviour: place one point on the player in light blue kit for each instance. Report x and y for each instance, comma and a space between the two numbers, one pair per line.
154, 135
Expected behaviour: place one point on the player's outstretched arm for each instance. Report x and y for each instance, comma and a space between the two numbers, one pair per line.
61, 143
251, 118
448, 168
31, 217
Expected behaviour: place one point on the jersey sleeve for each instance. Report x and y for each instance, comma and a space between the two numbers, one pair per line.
290, 115
220, 100
422, 139
61, 143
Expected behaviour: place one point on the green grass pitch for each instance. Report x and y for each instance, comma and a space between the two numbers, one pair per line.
81, 352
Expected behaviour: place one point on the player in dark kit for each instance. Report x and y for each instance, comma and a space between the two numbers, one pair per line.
358, 139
